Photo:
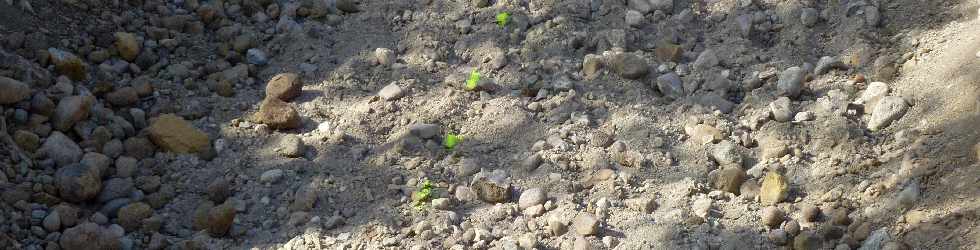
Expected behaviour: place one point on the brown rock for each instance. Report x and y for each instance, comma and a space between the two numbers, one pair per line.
285, 86
491, 191
68, 64
131, 216
220, 219
128, 46
89, 236
13, 91
174, 134
277, 114
26, 140
668, 52
775, 188
728, 179
125, 96
71, 110
703, 134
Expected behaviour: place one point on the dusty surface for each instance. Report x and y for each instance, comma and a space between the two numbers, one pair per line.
721, 163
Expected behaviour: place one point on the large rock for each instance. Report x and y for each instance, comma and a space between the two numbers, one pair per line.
782, 109
628, 65
68, 64
285, 86
491, 190
61, 149
706, 60
13, 91
391, 92
78, 182
728, 179
125, 96
886, 111
531, 197
670, 85
90, 236
220, 219
174, 134
775, 188
128, 45
277, 114
131, 216
71, 110
586, 224
790, 82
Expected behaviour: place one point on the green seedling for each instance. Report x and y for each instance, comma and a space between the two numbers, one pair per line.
473, 81
451, 141
423, 195
502, 19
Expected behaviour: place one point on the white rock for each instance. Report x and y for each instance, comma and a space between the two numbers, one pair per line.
391, 92
886, 111
271, 176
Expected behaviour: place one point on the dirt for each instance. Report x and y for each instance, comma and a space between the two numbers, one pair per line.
597, 143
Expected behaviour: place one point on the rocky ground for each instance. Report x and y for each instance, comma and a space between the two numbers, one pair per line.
479, 124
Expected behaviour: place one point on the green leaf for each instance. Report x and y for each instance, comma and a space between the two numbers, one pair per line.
502, 19
473, 81
451, 140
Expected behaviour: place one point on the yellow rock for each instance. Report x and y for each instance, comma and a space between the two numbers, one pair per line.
128, 46
174, 134
775, 188
68, 64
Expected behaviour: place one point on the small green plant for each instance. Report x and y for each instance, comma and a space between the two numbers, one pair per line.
473, 81
451, 141
423, 195
502, 19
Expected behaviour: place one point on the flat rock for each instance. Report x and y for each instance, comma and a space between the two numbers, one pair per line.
886, 111
174, 134
828, 63
277, 114
13, 91
285, 86
628, 65
271, 176
391, 92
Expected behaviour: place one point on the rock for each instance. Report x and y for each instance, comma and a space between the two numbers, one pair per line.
71, 110
670, 85
878, 239
663, 5
277, 114
131, 216
803, 116
772, 217
806, 241
668, 52
61, 149
306, 197
284, 86
126, 166
706, 60
41, 104
532, 162
749, 190
256, 56
778, 237
643, 6
127, 45
531, 197
775, 188
13, 91
391, 92
702, 134
384, 56
791, 227
790, 82
782, 110
27, 141
139, 147
491, 191
591, 64
122, 97
886, 111
726, 153
52, 222
219, 190
467, 167
840, 217
89, 236
348, 6
872, 95
642, 205
291, 146
634, 18
628, 65
442, 204
828, 63
809, 16
743, 25
271, 176
773, 148
810, 213
116, 188
174, 134
68, 64
424, 130
586, 224
728, 179
220, 219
